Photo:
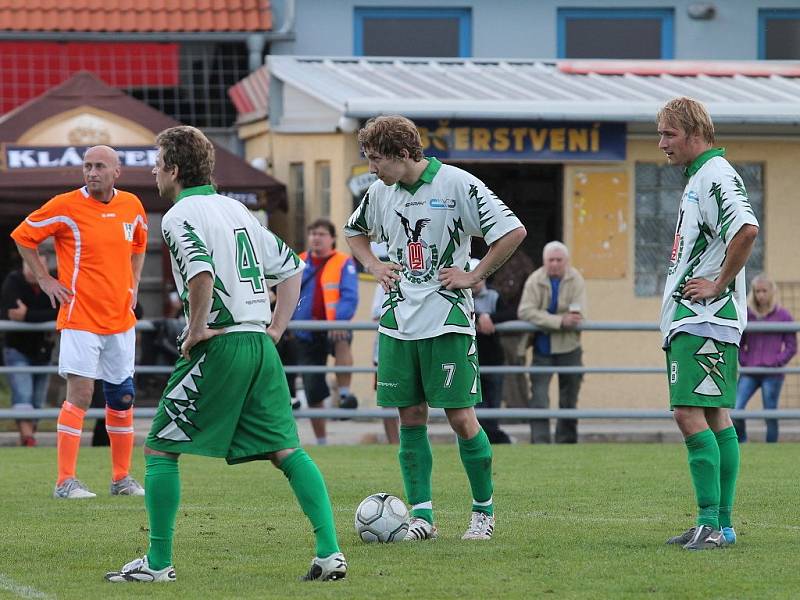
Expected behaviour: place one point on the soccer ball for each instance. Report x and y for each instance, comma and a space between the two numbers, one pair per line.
382, 518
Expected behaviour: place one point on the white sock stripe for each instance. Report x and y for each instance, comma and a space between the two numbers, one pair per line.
68, 430
111, 429
487, 503
423, 505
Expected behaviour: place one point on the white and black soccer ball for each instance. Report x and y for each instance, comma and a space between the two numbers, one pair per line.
382, 518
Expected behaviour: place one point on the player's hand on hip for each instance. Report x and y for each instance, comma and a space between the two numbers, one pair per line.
195, 337
386, 274
55, 291
698, 289
453, 278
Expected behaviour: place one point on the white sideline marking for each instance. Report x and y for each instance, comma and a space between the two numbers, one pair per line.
23, 591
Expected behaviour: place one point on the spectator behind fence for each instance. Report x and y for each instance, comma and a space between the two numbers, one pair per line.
554, 298
509, 281
329, 292
100, 236
23, 300
490, 309
764, 349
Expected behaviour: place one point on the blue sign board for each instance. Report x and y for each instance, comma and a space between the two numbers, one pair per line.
526, 140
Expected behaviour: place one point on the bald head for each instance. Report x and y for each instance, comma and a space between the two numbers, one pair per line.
100, 172
106, 153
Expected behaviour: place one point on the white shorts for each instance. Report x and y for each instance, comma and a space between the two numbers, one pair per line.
109, 357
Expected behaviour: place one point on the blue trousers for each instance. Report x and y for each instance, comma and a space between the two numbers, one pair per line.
770, 395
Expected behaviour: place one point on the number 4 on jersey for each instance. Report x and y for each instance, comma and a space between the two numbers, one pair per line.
247, 263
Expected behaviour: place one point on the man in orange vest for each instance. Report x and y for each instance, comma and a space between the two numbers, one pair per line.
329, 292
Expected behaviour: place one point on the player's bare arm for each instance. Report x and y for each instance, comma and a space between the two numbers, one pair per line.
287, 293
455, 278
385, 273
137, 262
736, 256
48, 284
200, 290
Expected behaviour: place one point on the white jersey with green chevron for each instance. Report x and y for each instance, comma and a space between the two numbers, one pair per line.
425, 231
713, 208
206, 231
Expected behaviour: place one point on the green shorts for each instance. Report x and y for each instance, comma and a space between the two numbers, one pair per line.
442, 371
229, 400
702, 372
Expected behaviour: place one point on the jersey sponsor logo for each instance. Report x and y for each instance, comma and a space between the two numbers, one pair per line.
417, 203
442, 203
692, 197
108, 215
390, 384
675, 245
128, 231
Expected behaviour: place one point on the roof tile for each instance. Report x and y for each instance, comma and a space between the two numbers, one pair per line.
136, 15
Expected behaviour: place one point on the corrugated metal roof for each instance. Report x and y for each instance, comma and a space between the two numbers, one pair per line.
135, 15
633, 91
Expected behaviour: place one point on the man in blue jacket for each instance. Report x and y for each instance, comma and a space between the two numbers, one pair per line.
329, 292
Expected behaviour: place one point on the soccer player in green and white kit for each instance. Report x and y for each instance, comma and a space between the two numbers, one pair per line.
227, 396
427, 213
704, 312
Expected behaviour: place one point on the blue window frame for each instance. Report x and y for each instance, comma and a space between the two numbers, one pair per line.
659, 20
461, 18
777, 34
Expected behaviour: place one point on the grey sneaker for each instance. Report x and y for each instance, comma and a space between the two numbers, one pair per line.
72, 489
481, 527
705, 538
330, 568
420, 529
138, 570
127, 486
683, 538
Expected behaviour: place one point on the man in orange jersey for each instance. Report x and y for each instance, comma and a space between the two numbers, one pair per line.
100, 236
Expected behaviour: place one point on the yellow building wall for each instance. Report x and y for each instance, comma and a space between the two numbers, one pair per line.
614, 299
609, 299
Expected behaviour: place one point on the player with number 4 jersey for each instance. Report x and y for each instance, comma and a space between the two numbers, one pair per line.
227, 396
427, 213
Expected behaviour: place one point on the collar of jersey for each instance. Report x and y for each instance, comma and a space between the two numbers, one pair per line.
702, 159
198, 190
425, 177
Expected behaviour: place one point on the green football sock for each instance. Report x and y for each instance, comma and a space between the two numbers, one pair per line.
728, 473
704, 467
476, 456
162, 483
312, 495
416, 465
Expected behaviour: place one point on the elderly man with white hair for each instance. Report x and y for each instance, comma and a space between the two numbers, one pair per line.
554, 299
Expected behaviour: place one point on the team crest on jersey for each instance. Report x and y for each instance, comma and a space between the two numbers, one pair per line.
418, 257
128, 229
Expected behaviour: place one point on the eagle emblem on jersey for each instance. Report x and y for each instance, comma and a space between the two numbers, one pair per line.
419, 258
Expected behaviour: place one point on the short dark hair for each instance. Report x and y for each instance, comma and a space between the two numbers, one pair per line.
188, 149
389, 135
324, 224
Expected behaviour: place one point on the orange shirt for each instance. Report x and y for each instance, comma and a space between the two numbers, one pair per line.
94, 243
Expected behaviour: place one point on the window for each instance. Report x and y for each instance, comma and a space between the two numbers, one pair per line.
658, 193
612, 33
412, 32
297, 194
778, 34
323, 169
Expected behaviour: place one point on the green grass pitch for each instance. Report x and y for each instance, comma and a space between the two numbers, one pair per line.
585, 521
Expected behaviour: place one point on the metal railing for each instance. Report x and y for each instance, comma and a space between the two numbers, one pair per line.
438, 414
